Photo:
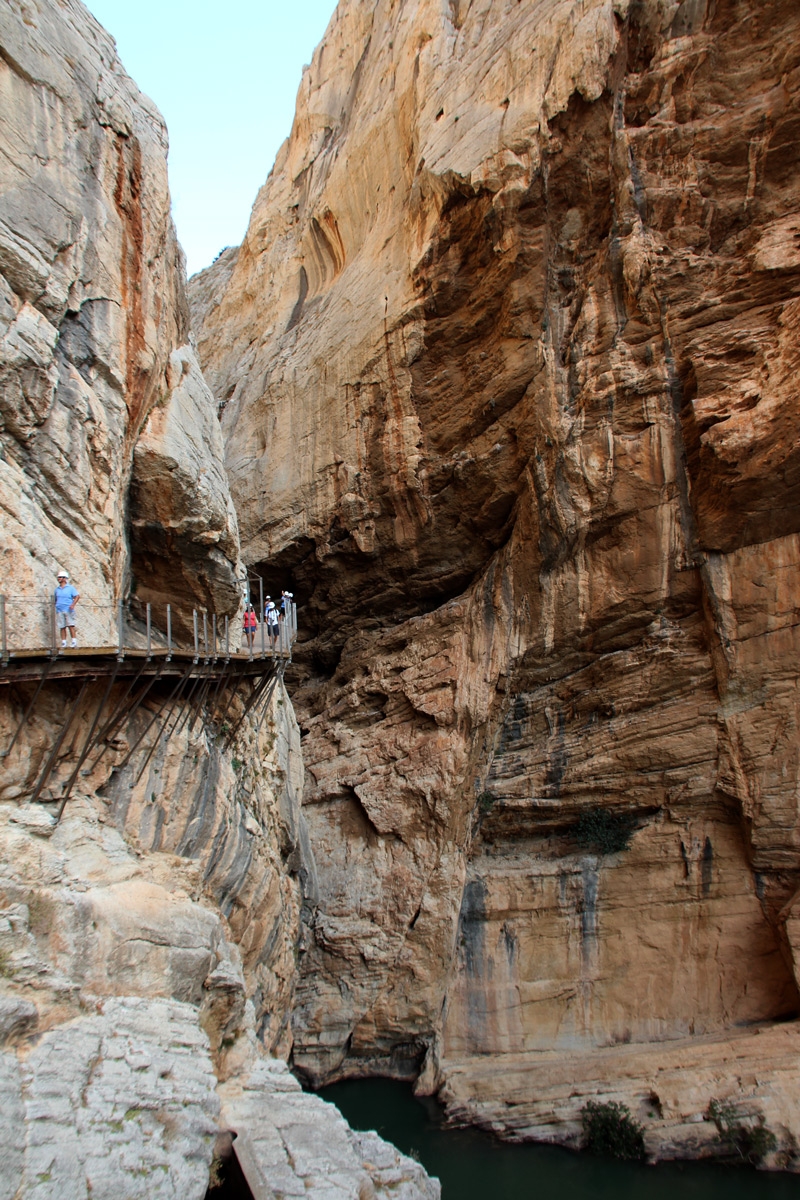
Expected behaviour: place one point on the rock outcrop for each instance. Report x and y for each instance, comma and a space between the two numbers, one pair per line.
508, 365
96, 372
303, 1146
146, 964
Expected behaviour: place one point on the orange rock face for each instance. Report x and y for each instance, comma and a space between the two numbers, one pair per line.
509, 364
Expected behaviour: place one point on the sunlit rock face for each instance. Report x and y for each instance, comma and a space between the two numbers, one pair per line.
96, 373
508, 358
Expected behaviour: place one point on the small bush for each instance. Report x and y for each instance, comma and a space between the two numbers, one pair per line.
216, 1172
486, 802
751, 1143
598, 829
610, 1129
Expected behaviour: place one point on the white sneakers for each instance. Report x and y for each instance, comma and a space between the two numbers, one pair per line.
63, 645
74, 643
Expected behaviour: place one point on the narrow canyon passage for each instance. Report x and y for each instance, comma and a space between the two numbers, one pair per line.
501, 388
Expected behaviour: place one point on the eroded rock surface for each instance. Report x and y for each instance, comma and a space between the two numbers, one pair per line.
302, 1146
96, 373
508, 361
121, 1099
148, 934
147, 955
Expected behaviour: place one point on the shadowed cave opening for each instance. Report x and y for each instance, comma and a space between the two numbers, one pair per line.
226, 1178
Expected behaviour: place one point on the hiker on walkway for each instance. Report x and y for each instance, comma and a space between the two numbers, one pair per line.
66, 597
271, 617
286, 603
250, 625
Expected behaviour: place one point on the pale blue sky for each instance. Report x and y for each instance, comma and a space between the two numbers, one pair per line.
225, 76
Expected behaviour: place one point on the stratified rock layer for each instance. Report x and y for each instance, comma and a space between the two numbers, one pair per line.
509, 360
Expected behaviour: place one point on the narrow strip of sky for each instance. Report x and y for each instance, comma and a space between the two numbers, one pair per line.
225, 77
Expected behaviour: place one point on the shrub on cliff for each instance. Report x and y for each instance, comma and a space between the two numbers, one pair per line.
486, 802
751, 1143
609, 1129
604, 832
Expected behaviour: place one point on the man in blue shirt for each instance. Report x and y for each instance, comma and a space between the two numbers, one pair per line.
66, 597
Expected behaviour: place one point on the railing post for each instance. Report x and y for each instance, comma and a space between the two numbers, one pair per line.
214, 636
120, 634
196, 639
149, 628
3, 634
261, 613
54, 647
169, 632
205, 635
227, 639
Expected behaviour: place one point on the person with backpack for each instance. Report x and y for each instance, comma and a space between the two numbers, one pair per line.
272, 618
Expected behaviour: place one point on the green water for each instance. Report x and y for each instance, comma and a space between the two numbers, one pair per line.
473, 1166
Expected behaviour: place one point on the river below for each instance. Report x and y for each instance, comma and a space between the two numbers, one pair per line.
474, 1166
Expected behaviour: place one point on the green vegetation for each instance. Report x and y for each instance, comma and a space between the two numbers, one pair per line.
749, 1142
5, 964
609, 1129
486, 802
216, 1174
602, 831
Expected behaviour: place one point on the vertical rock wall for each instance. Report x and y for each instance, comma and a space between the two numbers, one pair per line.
508, 363
147, 938
96, 374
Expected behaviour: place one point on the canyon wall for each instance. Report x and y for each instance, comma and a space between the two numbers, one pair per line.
148, 933
508, 367
111, 463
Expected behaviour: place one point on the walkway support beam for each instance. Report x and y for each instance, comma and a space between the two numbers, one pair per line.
53, 755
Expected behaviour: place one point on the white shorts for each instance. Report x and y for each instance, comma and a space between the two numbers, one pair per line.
65, 619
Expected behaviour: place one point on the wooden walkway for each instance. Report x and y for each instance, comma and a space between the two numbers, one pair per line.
27, 666
173, 686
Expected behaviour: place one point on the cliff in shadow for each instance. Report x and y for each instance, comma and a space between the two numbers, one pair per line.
507, 362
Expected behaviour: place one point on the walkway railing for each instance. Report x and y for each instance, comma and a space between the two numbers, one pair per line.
29, 626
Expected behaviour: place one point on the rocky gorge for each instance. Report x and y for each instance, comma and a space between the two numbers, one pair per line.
503, 380
507, 374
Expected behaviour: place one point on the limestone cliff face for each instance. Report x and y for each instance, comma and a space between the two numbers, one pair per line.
96, 373
508, 359
147, 938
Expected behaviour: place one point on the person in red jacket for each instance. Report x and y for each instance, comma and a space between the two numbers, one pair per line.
250, 625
